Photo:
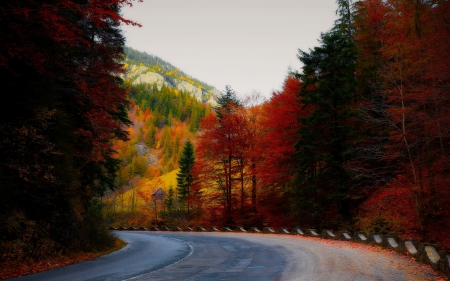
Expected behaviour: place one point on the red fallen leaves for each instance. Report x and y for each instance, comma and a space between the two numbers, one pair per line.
393, 261
411, 268
12, 269
16, 269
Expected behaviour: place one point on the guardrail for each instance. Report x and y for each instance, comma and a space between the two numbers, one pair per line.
430, 254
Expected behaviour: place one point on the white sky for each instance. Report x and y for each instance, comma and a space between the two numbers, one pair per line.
247, 44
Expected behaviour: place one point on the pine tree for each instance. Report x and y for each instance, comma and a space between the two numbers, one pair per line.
327, 135
63, 106
227, 102
184, 177
169, 200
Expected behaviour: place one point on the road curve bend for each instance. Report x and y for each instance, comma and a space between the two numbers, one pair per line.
163, 256
142, 254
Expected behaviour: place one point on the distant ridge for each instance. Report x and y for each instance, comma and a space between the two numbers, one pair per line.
143, 68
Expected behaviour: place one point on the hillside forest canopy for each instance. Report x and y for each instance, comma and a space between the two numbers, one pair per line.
357, 139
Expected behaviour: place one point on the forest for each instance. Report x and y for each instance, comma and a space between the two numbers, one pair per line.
357, 139
63, 104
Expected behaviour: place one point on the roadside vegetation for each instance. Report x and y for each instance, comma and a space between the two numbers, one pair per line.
356, 139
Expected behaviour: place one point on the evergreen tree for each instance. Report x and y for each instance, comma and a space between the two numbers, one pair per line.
327, 135
169, 200
62, 107
226, 102
184, 177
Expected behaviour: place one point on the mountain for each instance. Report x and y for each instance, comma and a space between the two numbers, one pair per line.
166, 106
143, 68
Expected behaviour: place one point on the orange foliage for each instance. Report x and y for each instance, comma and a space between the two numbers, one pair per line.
390, 210
280, 127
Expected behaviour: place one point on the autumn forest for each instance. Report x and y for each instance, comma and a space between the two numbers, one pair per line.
90, 130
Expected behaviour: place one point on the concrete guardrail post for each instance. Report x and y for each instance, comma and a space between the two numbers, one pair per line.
376, 239
312, 232
200, 229
297, 231
429, 254
226, 229
393, 243
411, 247
345, 235
283, 230
213, 229
329, 234
240, 229
254, 230
268, 230
360, 237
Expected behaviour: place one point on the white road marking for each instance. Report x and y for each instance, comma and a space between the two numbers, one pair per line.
187, 256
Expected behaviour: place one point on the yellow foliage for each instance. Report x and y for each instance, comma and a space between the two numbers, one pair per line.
149, 186
170, 179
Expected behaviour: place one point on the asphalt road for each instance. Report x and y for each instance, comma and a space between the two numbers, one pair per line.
143, 254
163, 256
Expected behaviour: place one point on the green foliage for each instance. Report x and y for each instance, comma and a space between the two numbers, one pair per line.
328, 134
156, 64
378, 224
168, 103
185, 177
138, 166
169, 200
62, 107
227, 102
94, 235
160, 117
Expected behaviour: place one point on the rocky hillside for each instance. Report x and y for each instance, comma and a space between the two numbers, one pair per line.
143, 68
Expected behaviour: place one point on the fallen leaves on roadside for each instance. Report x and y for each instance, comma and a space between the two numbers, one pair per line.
395, 262
11, 269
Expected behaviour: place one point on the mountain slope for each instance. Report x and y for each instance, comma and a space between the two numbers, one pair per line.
148, 69
166, 107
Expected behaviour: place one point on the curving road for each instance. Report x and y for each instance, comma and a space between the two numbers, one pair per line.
161, 256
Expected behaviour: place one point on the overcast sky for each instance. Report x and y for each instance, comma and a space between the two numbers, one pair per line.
247, 44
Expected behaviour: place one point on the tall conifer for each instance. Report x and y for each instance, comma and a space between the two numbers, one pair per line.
326, 136
184, 177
